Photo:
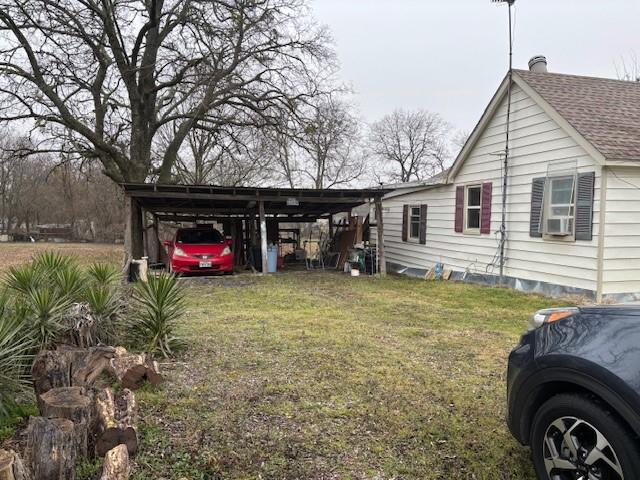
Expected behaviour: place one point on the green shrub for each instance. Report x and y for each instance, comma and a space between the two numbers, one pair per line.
69, 282
103, 273
158, 304
47, 314
104, 302
16, 353
24, 278
53, 262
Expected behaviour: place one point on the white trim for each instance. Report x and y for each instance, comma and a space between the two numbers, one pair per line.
494, 104
547, 205
479, 129
559, 119
601, 233
465, 228
409, 237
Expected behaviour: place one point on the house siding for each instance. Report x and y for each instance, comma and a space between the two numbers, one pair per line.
536, 142
621, 252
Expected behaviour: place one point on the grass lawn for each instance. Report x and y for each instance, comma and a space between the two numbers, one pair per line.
19, 253
323, 376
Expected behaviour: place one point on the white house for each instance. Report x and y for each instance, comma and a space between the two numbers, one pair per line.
572, 205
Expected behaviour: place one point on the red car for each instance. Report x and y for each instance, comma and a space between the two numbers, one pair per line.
199, 250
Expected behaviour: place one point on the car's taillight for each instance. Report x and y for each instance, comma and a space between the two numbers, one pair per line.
550, 315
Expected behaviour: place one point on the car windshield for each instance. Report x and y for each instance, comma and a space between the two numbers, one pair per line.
199, 236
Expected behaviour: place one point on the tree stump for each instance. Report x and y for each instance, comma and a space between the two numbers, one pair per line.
116, 464
69, 367
11, 466
71, 403
115, 421
50, 449
134, 369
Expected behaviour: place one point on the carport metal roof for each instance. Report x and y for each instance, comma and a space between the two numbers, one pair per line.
202, 202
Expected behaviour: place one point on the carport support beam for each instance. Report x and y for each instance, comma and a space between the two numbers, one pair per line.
263, 237
380, 243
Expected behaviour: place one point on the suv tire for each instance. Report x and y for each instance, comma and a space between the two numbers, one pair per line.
585, 423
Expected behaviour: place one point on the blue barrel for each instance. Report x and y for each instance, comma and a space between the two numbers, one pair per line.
272, 258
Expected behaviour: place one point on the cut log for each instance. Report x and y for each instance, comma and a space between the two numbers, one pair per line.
11, 466
134, 369
50, 449
69, 367
116, 464
75, 404
115, 421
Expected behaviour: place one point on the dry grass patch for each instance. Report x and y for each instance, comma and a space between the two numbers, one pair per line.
322, 376
14, 254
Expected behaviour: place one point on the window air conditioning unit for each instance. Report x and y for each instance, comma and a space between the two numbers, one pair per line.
561, 226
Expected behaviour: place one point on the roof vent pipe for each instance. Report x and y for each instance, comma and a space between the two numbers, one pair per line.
538, 64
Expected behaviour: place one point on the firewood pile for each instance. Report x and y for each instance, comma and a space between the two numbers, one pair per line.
80, 420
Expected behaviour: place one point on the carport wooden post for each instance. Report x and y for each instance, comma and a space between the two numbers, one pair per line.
380, 244
263, 237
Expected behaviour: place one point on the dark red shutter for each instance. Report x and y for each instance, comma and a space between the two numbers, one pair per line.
459, 208
405, 222
485, 208
423, 224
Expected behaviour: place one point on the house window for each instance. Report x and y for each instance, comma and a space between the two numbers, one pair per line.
559, 207
414, 223
473, 205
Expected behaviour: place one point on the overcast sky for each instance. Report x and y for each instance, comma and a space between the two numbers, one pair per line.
449, 56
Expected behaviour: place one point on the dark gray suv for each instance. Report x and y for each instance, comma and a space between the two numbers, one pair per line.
574, 393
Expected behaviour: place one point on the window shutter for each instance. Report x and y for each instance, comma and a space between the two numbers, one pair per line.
485, 208
459, 209
423, 224
537, 195
584, 206
405, 222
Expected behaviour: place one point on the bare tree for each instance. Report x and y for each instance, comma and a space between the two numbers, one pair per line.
329, 143
409, 145
629, 68
85, 199
101, 78
231, 156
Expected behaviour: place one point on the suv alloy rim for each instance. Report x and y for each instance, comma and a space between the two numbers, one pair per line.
576, 450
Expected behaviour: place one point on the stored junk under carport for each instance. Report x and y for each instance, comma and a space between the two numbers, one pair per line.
244, 212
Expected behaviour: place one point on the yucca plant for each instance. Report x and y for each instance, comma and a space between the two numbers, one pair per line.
53, 261
24, 278
103, 273
158, 304
46, 314
16, 348
103, 302
69, 281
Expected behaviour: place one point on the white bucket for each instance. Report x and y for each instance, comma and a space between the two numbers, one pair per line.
355, 272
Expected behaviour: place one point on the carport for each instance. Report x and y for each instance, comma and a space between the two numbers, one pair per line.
244, 211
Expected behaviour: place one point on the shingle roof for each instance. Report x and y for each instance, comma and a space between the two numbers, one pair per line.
605, 112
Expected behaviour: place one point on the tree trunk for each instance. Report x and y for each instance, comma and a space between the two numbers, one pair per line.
50, 449
115, 421
68, 367
133, 235
116, 464
11, 466
134, 369
71, 403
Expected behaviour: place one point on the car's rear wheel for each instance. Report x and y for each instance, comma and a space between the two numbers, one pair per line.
573, 437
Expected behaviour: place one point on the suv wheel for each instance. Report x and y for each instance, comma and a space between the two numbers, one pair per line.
575, 438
